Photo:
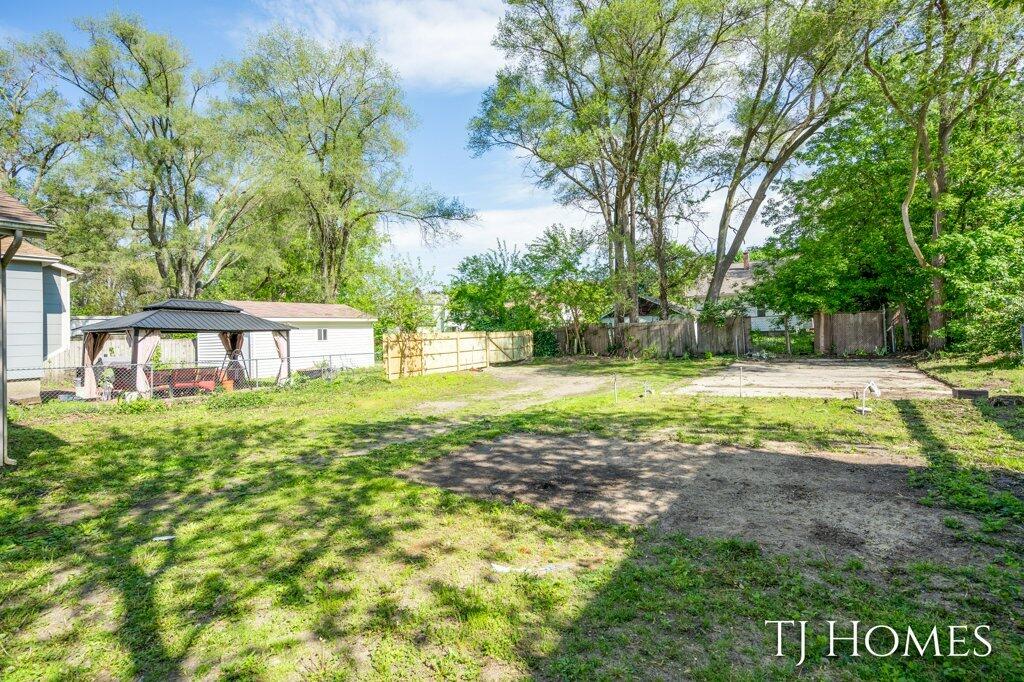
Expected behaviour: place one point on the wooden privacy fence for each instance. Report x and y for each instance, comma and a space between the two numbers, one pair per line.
845, 333
435, 353
668, 338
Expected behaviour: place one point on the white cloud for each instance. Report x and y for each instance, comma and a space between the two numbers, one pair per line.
443, 44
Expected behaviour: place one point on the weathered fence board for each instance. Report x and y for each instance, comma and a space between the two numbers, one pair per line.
433, 353
845, 333
669, 338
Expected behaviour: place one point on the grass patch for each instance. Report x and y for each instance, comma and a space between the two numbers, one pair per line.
289, 558
1002, 374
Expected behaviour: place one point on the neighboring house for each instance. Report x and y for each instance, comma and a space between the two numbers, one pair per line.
738, 279
323, 332
39, 307
650, 311
441, 320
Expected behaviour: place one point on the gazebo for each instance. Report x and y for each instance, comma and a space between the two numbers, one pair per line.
177, 316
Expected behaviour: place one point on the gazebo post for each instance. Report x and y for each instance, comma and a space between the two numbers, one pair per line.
144, 343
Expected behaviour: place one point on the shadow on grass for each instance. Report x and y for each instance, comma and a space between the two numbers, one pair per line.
254, 520
946, 478
250, 518
678, 607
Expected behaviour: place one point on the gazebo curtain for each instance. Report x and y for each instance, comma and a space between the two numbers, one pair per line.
233, 343
281, 344
143, 343
92, 347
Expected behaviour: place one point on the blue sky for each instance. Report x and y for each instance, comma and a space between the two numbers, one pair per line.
442, 50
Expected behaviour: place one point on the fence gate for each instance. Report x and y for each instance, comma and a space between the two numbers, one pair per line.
845, 333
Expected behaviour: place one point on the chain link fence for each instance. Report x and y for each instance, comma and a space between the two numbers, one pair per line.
117, 378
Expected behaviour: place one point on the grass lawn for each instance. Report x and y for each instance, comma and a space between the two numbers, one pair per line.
1000, 375
291, 560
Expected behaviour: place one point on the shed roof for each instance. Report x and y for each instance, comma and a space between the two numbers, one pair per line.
185, 315
283, 310
15, 213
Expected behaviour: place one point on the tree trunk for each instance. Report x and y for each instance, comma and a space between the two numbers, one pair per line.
908, 342
634, 294
936, 315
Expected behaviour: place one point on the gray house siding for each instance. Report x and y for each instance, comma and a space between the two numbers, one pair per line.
53, 311
24, 321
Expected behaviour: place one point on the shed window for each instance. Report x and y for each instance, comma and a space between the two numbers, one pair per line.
321, 334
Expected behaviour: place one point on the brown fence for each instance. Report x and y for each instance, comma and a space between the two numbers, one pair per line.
434, 353
845, 333
670, 338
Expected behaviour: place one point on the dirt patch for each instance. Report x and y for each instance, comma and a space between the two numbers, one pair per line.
523, 386
833, 504
818, 378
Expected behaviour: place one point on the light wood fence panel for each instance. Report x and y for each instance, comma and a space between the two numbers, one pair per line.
434, 353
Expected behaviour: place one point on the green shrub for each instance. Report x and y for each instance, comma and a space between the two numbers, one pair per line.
545, 344
652, 352
139, 406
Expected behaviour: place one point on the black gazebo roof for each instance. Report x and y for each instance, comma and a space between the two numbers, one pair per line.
183, 315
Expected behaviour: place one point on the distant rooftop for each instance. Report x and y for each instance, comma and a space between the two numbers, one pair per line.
737, 279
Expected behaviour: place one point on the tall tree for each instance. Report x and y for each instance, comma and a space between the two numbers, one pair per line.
493, 291
940, 64
671, 189
38, 130
793, 67
589, 88
569, 280
328, 123
41, 137
177, 171
840, 245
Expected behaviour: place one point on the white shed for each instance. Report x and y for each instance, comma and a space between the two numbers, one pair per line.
324, 334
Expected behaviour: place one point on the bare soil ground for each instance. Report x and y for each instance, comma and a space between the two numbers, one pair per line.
818, 378
525, 385
831, 504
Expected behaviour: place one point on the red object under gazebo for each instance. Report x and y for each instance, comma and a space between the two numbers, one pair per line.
178, 316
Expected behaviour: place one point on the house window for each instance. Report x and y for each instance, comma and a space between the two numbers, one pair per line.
321, 334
